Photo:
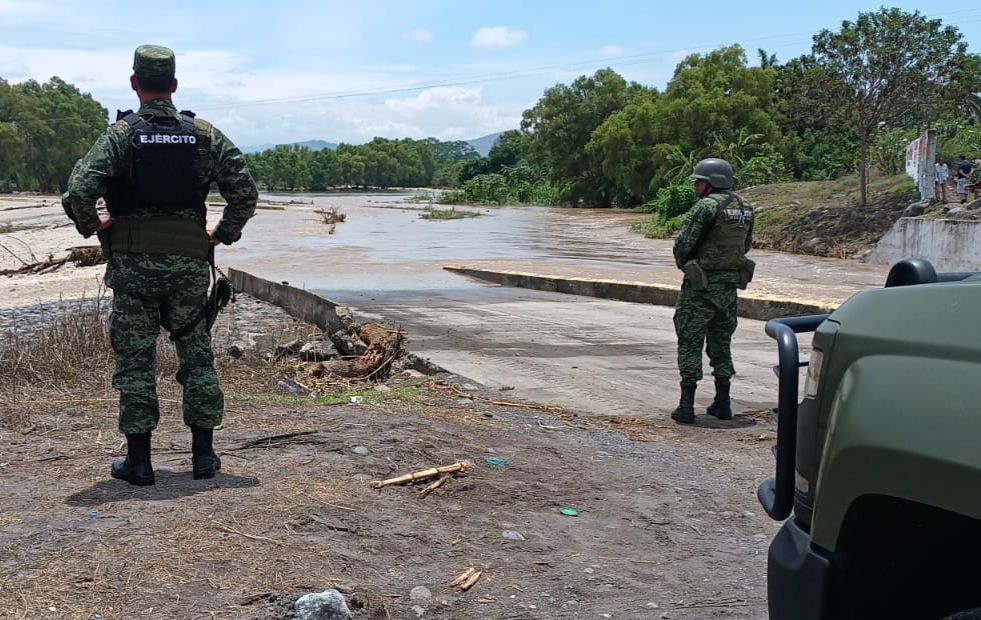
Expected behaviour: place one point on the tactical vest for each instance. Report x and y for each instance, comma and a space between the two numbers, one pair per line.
723, 248
163, 171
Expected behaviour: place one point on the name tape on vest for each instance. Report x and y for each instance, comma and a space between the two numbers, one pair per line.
739, 216
162, 138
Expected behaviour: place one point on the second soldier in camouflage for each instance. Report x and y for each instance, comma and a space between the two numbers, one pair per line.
711, 250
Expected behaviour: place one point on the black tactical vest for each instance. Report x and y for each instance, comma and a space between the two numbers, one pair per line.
162, 171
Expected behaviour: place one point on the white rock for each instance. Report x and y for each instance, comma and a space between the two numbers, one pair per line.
419, 610
420, 593
361, 451
512, 535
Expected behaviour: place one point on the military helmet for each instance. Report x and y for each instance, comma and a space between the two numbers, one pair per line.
716, 171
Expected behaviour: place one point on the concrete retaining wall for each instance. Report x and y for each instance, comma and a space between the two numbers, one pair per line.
302, 305
750, 306
951, 245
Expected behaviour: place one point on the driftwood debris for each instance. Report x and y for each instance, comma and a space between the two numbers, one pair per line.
331, 215
466, 579
81, 256
384, 347
422, 475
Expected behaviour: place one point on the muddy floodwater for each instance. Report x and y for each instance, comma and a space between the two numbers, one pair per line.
384, 245
384, 248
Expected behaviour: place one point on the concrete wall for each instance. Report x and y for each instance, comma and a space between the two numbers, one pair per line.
302, 305
951, 245
750, 306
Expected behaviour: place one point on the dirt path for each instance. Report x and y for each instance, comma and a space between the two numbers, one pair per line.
666, 529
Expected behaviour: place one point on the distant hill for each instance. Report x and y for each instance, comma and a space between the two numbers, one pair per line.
483, 145
313, 145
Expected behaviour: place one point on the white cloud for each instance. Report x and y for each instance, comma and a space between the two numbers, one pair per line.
498, 36
435, 98
418, 35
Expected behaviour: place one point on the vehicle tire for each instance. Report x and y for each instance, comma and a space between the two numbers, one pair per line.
969, 614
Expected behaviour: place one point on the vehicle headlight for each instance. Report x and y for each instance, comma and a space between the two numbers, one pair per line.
813, 374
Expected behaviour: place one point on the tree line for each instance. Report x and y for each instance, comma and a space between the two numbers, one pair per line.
848, 106
853, 102
44, 130
380, 163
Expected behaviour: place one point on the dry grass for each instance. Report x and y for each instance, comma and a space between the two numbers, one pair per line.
63, 358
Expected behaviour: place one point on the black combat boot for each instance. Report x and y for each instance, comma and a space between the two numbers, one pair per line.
135, 468
203, 458
685, 413
721, 407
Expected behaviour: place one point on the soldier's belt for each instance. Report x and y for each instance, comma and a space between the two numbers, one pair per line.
159, 235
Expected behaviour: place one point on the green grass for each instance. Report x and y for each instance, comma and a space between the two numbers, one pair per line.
330, 398
447, 214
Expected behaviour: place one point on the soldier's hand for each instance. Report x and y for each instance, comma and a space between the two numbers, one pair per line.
211, 239
104, 224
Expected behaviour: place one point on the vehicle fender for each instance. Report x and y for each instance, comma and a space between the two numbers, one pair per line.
901, 426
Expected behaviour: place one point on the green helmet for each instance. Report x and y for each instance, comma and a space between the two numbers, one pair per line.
716, 171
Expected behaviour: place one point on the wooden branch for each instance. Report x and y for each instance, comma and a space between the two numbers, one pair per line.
432, 487
466, 585
422, 475
464, 576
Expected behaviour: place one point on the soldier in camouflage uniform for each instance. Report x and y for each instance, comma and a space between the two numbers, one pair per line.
711, 249
155, 168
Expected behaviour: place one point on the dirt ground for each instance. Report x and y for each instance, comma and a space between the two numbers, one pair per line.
822, 218
667, 523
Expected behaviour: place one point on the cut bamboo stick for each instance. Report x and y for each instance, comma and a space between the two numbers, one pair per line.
422, 475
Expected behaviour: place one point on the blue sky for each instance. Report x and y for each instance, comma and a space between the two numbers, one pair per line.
269, 72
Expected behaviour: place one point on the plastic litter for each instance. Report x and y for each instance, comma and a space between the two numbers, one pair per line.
357, 400
497, 461
93, 513
569, 512
290, 387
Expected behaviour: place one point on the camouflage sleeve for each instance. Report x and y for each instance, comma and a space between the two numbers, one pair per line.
236, 187
91, 175
696, 221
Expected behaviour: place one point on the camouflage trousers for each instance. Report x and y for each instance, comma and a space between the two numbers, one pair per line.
705, 318
149, 292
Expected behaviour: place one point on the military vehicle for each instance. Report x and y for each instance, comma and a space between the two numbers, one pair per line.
878, 462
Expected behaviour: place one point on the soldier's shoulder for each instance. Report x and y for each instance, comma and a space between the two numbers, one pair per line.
706, 203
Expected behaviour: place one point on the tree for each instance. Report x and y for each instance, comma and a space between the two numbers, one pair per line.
561, 124
509, 150
891, 69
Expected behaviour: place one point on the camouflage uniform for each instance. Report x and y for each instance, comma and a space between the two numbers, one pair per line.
705, 317
159, 290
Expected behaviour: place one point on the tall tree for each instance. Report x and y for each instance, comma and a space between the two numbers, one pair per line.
561, 124
892, 68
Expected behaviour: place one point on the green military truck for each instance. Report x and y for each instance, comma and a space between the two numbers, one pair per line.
878, 466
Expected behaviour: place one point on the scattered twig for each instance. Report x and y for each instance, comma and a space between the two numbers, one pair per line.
432, 487
272, 440
466, 579
221, 526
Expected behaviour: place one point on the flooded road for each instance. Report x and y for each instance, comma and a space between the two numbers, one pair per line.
589, 355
